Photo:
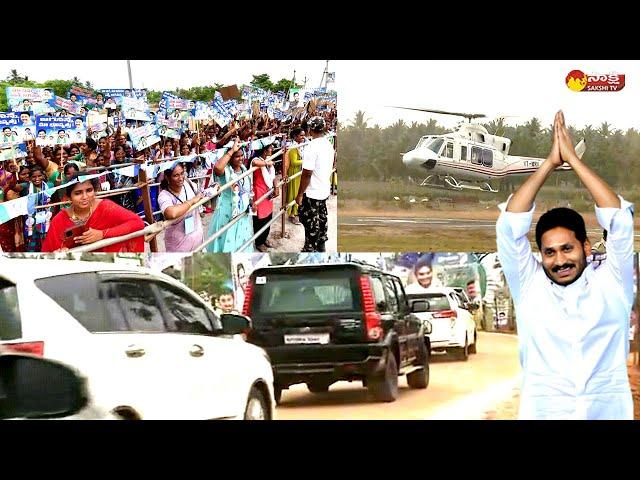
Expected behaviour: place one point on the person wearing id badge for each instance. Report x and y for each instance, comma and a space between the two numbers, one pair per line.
36, 222
232, 202
177, 195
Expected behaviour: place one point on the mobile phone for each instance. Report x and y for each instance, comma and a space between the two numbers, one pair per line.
70, 233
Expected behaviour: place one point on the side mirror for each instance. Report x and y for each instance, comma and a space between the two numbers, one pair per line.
33, 387
233, 324
472, 307
418, 306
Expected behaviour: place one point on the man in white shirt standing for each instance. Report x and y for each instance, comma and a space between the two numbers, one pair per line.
315, 187
572, 319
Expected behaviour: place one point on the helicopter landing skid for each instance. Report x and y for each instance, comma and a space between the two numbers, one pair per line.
434, 181
450, 183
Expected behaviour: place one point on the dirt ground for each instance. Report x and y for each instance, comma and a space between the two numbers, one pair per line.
358, 238
294, 234
508, 410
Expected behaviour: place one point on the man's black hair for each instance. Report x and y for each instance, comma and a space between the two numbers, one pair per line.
91, 143
561, 217
420, 264
470, 282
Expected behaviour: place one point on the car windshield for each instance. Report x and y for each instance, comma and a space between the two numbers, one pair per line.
437, 301
304, 293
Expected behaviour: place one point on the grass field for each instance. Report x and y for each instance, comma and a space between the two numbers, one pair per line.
376, 199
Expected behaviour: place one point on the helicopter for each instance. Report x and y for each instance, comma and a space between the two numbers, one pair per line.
469, 157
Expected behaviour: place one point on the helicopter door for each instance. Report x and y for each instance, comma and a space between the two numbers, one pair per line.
476, 155
447, 151
463, 153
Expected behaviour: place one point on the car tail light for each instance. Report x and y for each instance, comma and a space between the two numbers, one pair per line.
33, 348
445, 314
248, 293
372, 319
451, 314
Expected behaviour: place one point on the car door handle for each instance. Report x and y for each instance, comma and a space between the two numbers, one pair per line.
196, 351
134, 351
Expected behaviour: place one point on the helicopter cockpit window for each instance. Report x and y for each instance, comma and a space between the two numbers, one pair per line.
476, 155
448, 150
423, 142
487, 158
463, 152
435, 144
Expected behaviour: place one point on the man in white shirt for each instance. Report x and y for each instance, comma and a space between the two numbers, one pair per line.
572, 319
315, 187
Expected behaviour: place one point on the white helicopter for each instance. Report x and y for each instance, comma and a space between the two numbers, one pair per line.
469, 157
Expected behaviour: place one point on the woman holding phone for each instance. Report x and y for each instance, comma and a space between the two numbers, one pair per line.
90, 219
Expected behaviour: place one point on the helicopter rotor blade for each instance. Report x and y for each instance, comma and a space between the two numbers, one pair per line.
470, 116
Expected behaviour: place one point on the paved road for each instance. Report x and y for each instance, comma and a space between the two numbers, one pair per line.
457, 390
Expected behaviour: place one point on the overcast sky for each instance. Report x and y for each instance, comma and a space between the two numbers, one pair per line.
166, 74
525, 88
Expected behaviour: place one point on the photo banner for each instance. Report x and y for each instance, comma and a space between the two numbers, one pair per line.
144, 136
64, 105
97, 125
36, 100
135, 109
53, 131
17, 151
168, 127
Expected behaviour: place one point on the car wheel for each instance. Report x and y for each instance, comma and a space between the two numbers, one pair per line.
277, 394
384, 388
257, 407
472, 347
318, 386
420, 378
462, 353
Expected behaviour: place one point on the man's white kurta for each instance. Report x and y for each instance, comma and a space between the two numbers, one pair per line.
573, 340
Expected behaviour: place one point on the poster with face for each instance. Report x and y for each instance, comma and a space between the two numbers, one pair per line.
145, 136
16, 128
135, 109
97, 125
82, 96
64, 107
53, 131
296, 97
168, 127
35, 100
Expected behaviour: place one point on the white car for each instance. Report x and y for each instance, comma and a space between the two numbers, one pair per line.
149, 347
453, 328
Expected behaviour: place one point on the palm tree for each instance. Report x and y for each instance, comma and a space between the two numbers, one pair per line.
359, 121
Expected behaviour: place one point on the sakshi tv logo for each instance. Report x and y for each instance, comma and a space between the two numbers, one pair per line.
578, 81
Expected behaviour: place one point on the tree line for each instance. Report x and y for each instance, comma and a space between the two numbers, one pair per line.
199, 93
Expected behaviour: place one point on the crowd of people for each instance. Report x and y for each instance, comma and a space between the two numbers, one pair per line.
208, 157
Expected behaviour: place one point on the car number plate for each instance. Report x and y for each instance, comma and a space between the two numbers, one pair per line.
306, 338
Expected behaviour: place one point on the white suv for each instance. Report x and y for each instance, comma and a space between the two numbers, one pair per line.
149, 347
453, 328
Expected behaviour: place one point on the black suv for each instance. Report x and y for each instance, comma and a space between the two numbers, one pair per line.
344, 321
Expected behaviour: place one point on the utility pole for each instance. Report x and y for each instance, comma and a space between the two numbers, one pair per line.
325, 75
129, 69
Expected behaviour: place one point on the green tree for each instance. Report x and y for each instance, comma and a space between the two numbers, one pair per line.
262, 81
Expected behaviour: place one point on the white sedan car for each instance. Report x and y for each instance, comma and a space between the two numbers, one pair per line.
149, 347
453, 328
